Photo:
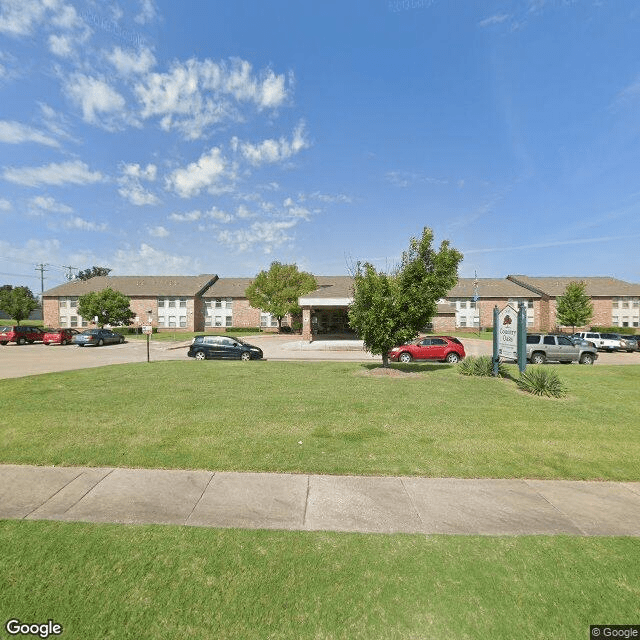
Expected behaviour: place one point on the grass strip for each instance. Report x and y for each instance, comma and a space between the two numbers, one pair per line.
253, 416
114, 581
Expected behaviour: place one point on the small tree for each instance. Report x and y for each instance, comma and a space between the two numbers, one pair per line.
574, 308
111, 307
277, 291
17, 302
87, 274
391, 309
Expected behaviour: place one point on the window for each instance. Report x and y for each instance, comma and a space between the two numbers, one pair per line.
73, 302
171, 302
229, 321
218, 303
62, 303
161, 321
74, 321
161, 302
549, 340
183, 303
183, 321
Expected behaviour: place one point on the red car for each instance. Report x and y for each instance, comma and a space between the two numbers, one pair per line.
443, 348
20, 334
59, 336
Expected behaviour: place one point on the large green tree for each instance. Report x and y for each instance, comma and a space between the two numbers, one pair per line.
110, 307
389, 309
277, 290
574, 308
87, 274
17, 302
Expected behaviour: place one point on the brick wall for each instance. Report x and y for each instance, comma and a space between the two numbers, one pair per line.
244, 315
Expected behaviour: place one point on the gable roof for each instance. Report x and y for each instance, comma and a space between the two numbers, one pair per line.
490, 288
599, 286
137, 286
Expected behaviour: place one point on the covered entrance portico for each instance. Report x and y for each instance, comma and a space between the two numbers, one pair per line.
324, 311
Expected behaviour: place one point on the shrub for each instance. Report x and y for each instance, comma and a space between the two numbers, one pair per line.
541, 381
480, 366
620, 330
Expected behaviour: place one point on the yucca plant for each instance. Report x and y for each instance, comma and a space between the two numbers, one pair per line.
541, 381
480, 366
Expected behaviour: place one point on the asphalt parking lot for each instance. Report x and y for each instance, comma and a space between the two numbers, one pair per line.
32, 359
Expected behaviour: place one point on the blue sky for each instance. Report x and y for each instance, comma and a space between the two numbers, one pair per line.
215, 137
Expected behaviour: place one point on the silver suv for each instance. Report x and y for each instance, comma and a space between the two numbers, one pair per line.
548, 347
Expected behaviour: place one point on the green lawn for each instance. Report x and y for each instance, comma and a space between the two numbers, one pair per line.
165, 582
114, 581
252, 416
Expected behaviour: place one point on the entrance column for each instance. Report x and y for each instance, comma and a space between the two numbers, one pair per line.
306, 324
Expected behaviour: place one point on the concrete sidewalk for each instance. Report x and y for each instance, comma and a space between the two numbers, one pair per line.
314, 502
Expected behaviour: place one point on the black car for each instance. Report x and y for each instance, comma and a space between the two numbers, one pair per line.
222, 347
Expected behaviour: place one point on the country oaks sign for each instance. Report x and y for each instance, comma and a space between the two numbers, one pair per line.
510, 336
508, 333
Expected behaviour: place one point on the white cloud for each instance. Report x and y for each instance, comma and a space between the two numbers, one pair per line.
196, 94
138, 195
244, 213
158, 232
16, 133
5, 205
267, 234
33, 251
20, 17
148, 260
74, 172
60, 46
495, 19
203, 174
131, 187
95, 97
271, 151
147, 13
193, 216
76, 222
220, 216
46, 203
130, 62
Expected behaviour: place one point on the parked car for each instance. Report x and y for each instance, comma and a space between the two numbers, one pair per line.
603, 341
542, 348
59, 336
97, 337
633, 343
21, 334
443, 348
222, 347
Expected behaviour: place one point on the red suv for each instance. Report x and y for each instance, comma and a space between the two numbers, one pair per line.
443, 348
21, 334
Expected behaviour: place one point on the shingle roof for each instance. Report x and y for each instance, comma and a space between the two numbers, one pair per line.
137, 286
599, 286
229, 288
332, 287
490, 288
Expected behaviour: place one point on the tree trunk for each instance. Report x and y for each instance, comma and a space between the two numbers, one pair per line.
385, 360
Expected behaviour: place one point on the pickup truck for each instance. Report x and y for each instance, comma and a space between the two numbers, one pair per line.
542, 348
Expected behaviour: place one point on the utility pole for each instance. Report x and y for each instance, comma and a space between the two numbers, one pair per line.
41, 268
71, 269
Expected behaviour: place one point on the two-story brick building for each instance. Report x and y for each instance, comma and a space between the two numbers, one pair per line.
209, 303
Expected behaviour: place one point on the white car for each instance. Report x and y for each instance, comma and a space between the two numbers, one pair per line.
603, 341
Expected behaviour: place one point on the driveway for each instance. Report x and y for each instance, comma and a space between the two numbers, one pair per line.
32, 359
